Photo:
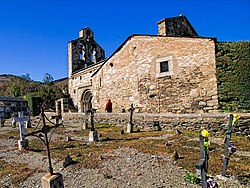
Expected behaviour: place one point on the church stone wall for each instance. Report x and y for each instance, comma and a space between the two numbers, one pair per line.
132, 75
80, 82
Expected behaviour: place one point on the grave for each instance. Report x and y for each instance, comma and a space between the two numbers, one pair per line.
50, 180
2, 116
2, 121
130, 124
227, 142
93, 136
57, 118
23, 142
202, 165
86, 117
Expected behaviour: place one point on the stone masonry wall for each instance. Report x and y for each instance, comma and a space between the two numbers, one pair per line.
216, 123
176, 26
130, 76
80, 82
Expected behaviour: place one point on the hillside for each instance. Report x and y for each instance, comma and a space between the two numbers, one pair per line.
6, 80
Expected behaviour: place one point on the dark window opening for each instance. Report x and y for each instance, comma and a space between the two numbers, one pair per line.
111, 64
164, 66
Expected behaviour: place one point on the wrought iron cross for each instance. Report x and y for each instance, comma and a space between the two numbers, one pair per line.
45, 130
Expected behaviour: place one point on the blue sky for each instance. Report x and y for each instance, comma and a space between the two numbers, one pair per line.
34, 33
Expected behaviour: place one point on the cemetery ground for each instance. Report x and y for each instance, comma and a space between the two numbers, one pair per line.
139, 159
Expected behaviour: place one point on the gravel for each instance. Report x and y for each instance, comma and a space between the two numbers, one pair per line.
123, 167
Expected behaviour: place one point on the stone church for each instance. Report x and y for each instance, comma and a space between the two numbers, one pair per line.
171, 72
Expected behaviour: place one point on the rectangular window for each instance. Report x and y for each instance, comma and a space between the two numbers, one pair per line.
164, 66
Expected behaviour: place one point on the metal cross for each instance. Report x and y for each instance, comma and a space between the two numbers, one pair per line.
45, 130
227, 141
202, 166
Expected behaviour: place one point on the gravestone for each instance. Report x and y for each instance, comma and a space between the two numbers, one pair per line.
85, 125
202, 165
23, 142
2, 119
93, 136
2, 114
130, 124
57, 118
227, 142
52, 181
28, 124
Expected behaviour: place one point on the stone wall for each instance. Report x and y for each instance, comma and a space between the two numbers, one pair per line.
176, 26
79, 83
132, 75
216, 123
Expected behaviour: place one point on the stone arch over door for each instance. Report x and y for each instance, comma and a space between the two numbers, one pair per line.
86, 100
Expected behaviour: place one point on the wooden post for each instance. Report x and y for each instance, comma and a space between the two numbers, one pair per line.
227, 142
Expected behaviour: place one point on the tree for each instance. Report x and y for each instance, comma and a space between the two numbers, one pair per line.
48, 79
26, 77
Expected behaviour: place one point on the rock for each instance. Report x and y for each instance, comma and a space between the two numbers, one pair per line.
178, 131
68, 139
101, 157
175, 156
167, 144
68, 161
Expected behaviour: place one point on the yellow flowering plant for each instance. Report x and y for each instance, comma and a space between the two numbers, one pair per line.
235, 119
206, 141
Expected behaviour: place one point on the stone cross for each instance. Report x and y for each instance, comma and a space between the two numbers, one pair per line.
23, 142
93, 136
85, 125
130, 125
202, 166
227, 142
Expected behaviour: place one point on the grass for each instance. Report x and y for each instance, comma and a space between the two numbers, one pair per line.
87, 155
17, 172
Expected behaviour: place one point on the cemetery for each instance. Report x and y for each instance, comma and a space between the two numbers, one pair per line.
165, 128
84, 152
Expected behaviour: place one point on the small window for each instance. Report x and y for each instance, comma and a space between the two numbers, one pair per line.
100, 82
111, 64
164, 67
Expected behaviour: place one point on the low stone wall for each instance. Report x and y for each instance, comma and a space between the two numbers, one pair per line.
216, 123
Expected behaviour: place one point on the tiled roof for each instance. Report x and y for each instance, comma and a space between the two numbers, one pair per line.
4, 98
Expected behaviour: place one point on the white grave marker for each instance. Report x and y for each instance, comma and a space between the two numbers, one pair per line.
23, 142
